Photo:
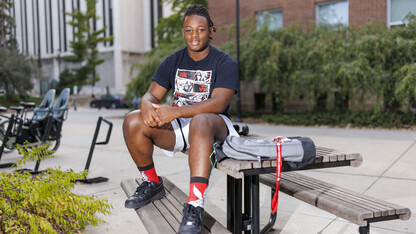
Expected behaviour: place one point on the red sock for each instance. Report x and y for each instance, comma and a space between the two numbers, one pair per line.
197, 190
149, 173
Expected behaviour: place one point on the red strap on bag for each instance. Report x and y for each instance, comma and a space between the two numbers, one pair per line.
275, 200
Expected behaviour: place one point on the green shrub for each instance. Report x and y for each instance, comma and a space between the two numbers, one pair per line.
14, 101
352, 64
44, 203
344, 119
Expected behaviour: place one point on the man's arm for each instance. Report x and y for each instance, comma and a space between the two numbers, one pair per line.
154, 94
216, 104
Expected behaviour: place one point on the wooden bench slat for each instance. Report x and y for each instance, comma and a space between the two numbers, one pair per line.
210, 223
165, 215
341, 202
174, 199
177, 204
164, 207
324, 202
377, 208
389, 208
153, 223
367, 201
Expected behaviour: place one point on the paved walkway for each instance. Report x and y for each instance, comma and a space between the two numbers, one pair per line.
388, 172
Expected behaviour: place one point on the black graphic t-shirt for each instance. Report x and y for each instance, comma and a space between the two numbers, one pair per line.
193, 81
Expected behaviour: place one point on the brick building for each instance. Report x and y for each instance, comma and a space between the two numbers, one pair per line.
286, 12
283, 13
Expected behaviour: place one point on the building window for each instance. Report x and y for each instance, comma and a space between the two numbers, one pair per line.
397, 10
332, 13
274, 19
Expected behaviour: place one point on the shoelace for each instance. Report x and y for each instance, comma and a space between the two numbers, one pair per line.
145, 191
190, 214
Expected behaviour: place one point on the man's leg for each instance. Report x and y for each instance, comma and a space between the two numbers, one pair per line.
140, 139
204, 130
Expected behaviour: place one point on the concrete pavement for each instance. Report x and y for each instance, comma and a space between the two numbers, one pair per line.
388, 172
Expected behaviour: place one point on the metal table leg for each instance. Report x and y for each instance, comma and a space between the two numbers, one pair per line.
247, 205
234, 202
230, 203
255, 204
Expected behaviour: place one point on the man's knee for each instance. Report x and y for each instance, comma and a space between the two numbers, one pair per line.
201, 121
132, 123
204, 124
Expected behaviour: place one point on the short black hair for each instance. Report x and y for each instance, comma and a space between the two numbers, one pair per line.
197, 9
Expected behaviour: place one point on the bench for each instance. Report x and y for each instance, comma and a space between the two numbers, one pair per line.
165, 215
352, 206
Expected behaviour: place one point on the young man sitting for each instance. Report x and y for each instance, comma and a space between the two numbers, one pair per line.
203, 80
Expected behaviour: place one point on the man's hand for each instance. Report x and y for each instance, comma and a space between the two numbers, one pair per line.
150, 116
165, 113
154, 94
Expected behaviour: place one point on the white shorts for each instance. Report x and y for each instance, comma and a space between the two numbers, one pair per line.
181, 128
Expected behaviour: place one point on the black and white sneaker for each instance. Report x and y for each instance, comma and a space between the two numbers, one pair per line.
191, 220
147, 192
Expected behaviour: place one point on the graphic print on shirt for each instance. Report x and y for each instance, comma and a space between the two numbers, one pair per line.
191, 86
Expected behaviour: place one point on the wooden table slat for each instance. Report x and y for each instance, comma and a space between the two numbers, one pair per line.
266, 164
333, 158
341, 157
235, 167
318, 160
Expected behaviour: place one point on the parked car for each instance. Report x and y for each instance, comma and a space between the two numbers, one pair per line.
135, 103
109, 101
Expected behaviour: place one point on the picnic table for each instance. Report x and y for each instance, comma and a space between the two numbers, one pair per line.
352, 206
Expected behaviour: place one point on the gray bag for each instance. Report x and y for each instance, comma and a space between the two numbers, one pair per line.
296, 151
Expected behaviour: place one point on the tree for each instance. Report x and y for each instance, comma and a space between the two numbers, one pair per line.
15, 73
15, 68
84, 46
7, 25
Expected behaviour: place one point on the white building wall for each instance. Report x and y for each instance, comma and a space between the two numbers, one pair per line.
127, 20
